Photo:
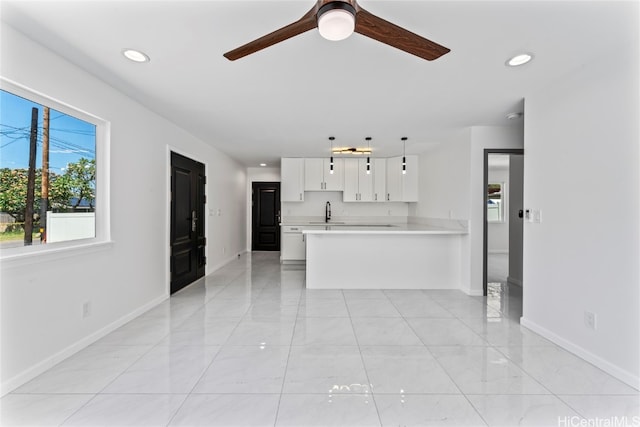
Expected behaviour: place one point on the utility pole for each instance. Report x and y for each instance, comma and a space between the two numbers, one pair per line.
31, 180
44, 191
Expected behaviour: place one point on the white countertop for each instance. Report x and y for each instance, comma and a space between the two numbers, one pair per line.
377, 229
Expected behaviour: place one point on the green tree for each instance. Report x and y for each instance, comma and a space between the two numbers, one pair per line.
13, 192
66, 191
78, 183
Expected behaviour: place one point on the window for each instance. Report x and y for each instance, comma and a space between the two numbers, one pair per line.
49, 180
495, 202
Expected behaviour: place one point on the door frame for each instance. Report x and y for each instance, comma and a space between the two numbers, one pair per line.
485, 227
167, 220
253, 219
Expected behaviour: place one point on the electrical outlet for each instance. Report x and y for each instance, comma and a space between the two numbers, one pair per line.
86, 309
224, 250
590, 320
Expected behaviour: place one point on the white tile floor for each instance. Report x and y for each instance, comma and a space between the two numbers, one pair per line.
249, 346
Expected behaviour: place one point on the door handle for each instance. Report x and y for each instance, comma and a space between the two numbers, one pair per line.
194, 218
278, 217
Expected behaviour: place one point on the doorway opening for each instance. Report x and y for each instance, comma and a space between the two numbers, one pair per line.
503, 228
265, 216
187, 238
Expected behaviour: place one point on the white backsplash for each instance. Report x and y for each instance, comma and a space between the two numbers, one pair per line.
313, 209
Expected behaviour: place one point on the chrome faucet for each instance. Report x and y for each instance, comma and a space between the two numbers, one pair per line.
327, 212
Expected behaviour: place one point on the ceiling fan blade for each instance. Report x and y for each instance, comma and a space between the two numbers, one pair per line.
383, 31
304, 24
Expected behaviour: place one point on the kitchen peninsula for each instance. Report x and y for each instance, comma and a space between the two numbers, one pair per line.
401, 256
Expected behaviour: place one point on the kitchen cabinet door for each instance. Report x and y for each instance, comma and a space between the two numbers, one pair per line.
358, 184
292, 244
379, 172
351, 188
365, 180
317, 176
394, 179
292, 180
314, 174
334, 181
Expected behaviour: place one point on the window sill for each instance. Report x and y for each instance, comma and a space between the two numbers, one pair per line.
55, 252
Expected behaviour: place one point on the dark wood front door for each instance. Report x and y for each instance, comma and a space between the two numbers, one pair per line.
188, 242
266, 216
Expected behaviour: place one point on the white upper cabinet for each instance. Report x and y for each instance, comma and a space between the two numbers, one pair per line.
292, 180
402, 187
318, 177
384, 183
358, 184
379, 171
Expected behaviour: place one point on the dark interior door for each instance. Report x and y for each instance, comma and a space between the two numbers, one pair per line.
188, 242
266, 216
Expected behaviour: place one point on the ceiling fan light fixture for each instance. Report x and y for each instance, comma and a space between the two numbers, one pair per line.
336, 20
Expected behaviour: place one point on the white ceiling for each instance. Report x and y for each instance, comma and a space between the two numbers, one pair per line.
288, 99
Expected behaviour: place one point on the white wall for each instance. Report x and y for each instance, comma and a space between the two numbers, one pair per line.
498, 232
483, 137
451, 187
444, 180
581, 170
261, 174
42, 296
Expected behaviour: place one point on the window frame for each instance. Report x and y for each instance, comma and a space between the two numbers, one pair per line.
501, 206
102, 209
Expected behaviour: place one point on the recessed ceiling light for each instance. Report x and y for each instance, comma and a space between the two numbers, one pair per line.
519, 59
135, 55
513, 116
263, 164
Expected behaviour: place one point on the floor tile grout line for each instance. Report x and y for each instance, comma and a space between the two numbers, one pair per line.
286, 368
79, 409
364, 365
204, 371
449, 376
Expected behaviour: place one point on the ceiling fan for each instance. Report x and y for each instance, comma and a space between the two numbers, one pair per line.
336, 20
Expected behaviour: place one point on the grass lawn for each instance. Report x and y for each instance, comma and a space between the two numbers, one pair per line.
8, 236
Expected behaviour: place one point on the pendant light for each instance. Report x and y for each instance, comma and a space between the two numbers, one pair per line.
331, 138
368, 158
404, 158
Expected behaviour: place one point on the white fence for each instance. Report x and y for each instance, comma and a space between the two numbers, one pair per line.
70, 226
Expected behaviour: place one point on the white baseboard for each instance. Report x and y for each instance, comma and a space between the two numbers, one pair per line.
514, 281
32, 372
613, 370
